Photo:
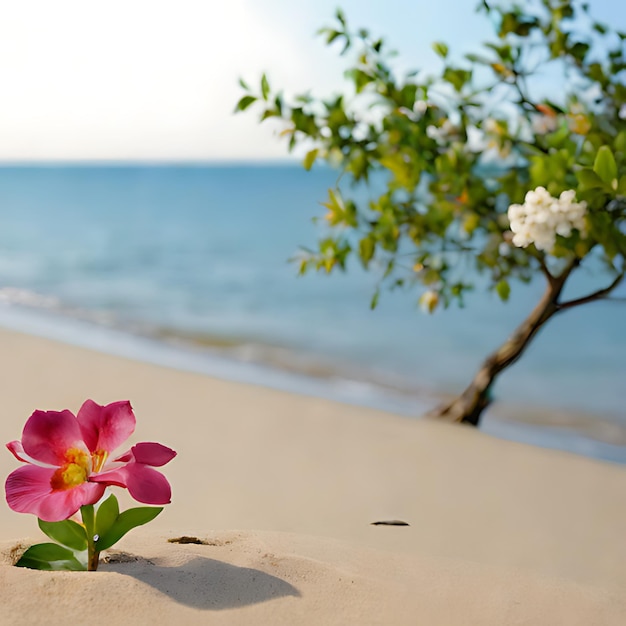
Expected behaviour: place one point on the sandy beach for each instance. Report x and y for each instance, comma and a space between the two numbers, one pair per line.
280, 491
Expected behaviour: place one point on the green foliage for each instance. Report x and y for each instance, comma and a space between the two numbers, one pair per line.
503, 289
265, 87
81, 543
50, 556
125, 521
88, 514
605, 167
68, 533
443, 156
441, 49
245, 102
108, 512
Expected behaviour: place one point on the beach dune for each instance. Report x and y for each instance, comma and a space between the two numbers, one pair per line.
280, 492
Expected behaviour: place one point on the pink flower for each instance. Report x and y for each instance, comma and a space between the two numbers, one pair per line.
69, 461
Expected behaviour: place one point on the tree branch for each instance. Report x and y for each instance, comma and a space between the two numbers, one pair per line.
556, 281
596, 295
544, 268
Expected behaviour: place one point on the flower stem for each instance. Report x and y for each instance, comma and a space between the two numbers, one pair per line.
93, 560
89, 520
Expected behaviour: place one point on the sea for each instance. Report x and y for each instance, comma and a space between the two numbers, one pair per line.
192, 266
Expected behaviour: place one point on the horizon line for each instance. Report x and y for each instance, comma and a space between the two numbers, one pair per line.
157, 162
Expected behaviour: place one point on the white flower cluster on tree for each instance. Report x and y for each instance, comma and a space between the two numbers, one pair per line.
542, 217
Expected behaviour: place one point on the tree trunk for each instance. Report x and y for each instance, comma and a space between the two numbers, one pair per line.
469, 406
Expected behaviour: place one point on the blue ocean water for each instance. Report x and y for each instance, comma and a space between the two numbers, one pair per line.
197, 256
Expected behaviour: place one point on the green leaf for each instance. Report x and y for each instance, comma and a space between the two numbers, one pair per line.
243, 84
50, 556
89, 516
366, 250
605, 166
503, 289
588, 179
67, 533
558, 137
107, 513
309, 159
504, 52
265, 87
268, 113
596, 72
278, 103
477, 58
600, 28
244, 103
374, 300
579, 50
127, 521
360, 78
508, 25
440, 48
457, 77
516, 23
620, 141
304, 122
331, 35
408, 95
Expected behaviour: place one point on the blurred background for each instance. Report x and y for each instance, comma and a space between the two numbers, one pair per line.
139, 216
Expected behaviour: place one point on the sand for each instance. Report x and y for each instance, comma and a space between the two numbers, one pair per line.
283, 489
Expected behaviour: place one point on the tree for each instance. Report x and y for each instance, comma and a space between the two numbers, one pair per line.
484, 166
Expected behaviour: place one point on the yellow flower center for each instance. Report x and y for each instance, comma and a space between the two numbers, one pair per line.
73, 472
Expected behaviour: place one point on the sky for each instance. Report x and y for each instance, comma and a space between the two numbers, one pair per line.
157, 80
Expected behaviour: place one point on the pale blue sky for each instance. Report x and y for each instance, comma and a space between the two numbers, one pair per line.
157, 79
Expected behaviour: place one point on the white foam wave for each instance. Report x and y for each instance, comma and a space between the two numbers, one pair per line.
25, 297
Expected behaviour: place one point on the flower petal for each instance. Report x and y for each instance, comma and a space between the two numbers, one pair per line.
106, 427
151, 453
48, 435
143, 483
61, 505
28, 490
124, 458
17, 450
26, 486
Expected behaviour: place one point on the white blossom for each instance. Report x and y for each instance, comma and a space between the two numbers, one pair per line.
443, 132
542, 217
428, 301
420, 106
543, 124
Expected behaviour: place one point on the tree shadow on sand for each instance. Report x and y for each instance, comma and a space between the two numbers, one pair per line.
204, 583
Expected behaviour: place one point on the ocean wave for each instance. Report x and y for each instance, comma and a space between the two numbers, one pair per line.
244, 360
305, 362
243, 349
25, 297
